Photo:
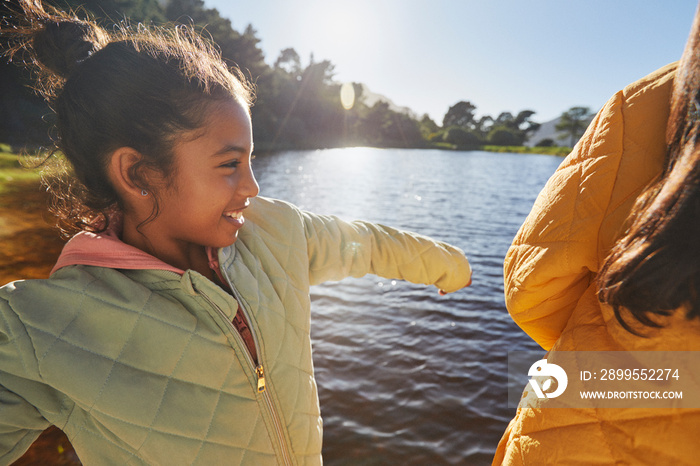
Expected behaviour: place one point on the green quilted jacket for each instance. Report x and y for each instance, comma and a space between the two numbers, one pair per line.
145, 367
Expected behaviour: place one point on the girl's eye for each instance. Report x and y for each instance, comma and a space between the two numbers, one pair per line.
231, 164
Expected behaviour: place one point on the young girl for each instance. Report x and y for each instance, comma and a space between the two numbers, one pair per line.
174, 328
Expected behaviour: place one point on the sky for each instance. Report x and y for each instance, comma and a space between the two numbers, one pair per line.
501, 55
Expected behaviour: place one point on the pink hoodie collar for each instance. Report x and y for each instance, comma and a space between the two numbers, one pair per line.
106, 249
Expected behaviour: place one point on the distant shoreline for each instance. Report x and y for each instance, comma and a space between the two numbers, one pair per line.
559, 151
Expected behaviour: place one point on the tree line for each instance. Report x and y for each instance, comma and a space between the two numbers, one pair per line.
298, 104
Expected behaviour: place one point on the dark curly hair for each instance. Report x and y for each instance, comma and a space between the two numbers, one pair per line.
137, 87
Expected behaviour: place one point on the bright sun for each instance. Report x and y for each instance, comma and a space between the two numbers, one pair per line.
340, 28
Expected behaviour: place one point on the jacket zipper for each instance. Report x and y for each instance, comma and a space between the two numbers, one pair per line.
259, 371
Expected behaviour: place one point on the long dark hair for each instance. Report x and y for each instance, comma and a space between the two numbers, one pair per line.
654, 268
137, 87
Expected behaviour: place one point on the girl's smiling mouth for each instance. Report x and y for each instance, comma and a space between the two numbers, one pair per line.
235, 217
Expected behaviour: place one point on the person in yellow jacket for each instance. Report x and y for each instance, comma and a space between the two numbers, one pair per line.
573, 279
174, 328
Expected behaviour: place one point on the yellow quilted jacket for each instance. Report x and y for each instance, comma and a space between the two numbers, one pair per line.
550, 291
145, 367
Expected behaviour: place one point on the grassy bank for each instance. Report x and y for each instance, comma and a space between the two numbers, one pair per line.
30, 243
556, 150
12, 173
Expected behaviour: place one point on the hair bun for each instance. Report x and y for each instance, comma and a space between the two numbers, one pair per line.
62, 45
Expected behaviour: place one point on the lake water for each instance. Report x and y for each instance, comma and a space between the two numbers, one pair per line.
406, 376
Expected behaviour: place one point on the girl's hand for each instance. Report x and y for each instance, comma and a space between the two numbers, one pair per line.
443, 292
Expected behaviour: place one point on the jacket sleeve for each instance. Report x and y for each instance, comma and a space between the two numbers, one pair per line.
554, 256
20, 422
20, 425
338, 249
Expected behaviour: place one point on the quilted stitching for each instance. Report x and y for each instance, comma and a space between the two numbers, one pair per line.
616, 159
151, 375
108, 404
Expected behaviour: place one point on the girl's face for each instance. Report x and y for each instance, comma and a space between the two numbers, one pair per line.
212, 183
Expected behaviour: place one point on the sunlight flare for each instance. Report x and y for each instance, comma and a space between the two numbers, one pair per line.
347, 95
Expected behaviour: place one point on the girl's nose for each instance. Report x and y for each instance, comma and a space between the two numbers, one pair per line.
250, 185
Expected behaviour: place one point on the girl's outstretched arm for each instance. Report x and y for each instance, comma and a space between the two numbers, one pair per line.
339, 249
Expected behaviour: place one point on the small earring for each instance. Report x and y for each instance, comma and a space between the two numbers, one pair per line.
144, 192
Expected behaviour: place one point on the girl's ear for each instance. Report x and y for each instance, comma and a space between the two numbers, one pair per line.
126, 172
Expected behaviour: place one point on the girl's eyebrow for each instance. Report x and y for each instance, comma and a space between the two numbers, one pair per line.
232, 148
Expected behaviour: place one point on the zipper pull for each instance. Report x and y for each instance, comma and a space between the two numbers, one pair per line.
261, 378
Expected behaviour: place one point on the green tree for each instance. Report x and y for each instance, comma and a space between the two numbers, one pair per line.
373, 124
382, 126
505, 119
428, 126
289, 62
460, 114
505, 136
462, 138
316, 75
523, 123
483, 125
573, 123
519, 126
237, 48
